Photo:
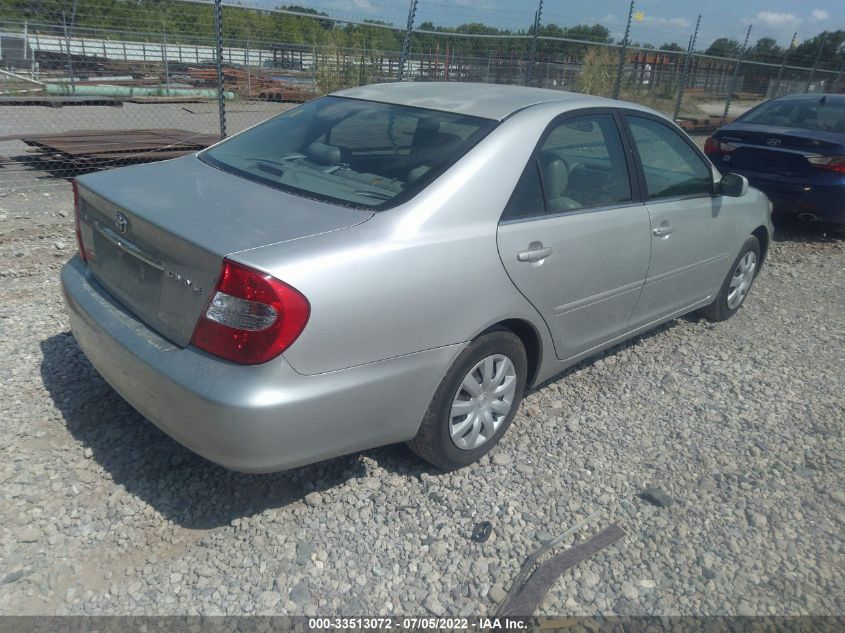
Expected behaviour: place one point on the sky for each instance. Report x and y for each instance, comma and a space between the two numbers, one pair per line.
663, 20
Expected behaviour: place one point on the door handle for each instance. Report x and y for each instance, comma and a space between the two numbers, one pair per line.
663, 231
534, 254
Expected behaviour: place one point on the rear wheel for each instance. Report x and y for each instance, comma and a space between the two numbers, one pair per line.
475, 402
737, 284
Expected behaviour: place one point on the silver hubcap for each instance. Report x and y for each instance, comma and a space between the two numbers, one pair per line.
482, 402
741, 280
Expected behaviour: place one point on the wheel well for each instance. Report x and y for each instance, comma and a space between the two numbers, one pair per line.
530, 341
762, 235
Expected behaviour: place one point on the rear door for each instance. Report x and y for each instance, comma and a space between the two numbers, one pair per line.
691, 229
573, 238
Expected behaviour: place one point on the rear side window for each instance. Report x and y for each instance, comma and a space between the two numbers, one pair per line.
357, 153
582, 162
527, 198
672, 168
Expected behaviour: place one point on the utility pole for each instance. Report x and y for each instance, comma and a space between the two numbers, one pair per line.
732, 85
406, 43
538, 16
221, 89
67, 45
783, 64
687, 63
822, 39
164, 56
623, 49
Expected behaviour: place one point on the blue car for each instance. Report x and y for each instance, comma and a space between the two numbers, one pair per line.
793, 149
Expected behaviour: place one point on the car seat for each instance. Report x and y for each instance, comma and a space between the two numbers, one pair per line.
557, 182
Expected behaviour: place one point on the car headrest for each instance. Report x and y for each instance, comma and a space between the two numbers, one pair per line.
439, 140
557, 178
323, 153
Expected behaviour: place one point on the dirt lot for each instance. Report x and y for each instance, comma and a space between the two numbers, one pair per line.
741, 423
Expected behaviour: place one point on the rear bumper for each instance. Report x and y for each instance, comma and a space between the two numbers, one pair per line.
259, 418
794, 196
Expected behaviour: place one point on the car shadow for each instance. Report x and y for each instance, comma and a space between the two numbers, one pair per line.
612, 351
792, 229
188, 489
182, 486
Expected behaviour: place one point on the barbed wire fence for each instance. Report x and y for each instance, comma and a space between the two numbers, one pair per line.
99, 84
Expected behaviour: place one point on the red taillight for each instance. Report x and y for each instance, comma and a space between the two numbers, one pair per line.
715, 146
829, 163
251, 318
82, 252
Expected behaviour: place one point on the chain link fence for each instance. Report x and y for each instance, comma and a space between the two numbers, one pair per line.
93, 84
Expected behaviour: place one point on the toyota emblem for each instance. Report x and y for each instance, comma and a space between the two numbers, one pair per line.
121, 223
773, 142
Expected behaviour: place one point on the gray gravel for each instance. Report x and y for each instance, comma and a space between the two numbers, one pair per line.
740, 423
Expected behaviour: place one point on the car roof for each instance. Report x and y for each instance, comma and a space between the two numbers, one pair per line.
489, 101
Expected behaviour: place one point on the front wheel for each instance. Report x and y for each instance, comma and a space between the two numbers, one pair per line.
475, 402
736, 286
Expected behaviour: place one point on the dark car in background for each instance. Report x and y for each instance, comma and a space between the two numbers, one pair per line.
793, 149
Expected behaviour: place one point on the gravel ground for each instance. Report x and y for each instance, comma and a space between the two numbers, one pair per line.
741, 423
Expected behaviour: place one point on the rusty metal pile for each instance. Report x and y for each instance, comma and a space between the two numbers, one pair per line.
88, 150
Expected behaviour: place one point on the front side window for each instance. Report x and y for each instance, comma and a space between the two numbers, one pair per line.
352, 152
672, 168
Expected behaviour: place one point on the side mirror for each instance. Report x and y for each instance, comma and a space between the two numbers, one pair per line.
733, 185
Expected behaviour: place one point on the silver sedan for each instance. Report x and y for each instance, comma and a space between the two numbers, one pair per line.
397, 263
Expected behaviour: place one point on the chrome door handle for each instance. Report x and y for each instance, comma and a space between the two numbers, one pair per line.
662, 231
534, 255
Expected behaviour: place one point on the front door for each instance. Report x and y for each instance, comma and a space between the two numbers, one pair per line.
690, 227
572, 239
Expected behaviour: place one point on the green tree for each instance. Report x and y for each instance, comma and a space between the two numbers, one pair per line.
724, 47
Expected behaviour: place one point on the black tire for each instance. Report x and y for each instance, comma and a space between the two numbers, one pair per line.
433, 442
719, 309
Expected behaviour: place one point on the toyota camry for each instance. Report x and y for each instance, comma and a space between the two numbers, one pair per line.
397, 263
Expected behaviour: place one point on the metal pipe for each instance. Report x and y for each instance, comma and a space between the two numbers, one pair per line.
21, 77
106, 90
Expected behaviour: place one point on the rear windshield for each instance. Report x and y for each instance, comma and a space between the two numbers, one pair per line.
352, 152
825, 114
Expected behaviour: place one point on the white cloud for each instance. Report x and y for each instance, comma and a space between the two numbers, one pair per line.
476, 4
819, 15
353, 7
777, 19
678, 23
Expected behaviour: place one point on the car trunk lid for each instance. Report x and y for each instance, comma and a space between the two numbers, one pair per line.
774, 150
156, 234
